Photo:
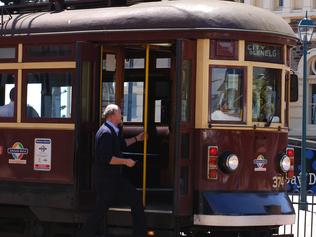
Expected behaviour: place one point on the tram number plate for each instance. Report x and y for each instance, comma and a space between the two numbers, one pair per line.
278, 181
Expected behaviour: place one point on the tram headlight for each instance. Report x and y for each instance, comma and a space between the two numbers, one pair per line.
232, 162
285, 163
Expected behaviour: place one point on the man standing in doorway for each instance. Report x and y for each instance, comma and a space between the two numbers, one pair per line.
110, 183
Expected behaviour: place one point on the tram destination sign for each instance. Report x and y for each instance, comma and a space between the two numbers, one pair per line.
264, 52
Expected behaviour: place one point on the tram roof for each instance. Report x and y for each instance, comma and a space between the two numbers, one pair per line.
153, 16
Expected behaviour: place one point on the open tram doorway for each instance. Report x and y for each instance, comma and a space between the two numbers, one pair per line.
124, 83
120, 78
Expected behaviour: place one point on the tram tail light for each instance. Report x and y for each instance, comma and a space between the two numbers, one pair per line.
212, 160
291, 154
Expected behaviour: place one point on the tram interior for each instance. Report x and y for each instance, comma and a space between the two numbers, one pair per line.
159, 191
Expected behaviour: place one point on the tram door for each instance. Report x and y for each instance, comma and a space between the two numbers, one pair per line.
88, 70
184, 124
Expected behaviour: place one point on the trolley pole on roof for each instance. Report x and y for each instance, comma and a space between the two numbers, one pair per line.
305, 29
145, 125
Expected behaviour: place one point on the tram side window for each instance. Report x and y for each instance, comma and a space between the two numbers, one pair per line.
266, 95
226, 97
108, 80
50, 51
49, 94
7, 95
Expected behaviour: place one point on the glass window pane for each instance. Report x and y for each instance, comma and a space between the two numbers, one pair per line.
133, 101
7, 53
163, 62
313, 104
49, 95
266, 102
185, 90
134, 63
226, 94
7, 95
108, 80
49, 51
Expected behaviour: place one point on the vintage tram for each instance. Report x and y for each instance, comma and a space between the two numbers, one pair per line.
209, 81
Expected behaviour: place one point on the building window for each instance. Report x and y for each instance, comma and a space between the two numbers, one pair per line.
313, 104
226, 94
297, 4
278, 5
266, 95
257, 3
7, 95
49, 95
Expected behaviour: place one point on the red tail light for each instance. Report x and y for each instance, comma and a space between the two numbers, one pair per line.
212, 161
291, 154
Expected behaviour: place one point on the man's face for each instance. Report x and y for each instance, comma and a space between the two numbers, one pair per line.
117, 117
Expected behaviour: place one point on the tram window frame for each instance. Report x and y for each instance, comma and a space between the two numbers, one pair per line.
214, 50
24, 117
10, 60
29, 58
14, 117
244, 82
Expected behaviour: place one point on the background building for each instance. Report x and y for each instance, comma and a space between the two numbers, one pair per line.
293, 11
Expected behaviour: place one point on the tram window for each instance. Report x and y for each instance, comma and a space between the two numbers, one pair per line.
8, 53
266, 102
133, 101
49, 94
227, 88
134, 63
224, 49
52, 51
313, 104
7, 95
108, 81
163, 63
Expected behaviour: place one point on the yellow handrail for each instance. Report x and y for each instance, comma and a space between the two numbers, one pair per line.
145, 125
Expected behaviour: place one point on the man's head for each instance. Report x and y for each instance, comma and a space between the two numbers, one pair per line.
12, 94
113, 114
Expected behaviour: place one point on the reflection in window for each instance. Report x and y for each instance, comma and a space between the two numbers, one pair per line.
313, 104
134, 63
226, 94
266, 102
49, 94
185, 90
7, 53
108, 81
163, 62
7, 95
133, 101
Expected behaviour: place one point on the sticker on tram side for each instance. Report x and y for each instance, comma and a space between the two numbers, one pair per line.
42, 154
17, 151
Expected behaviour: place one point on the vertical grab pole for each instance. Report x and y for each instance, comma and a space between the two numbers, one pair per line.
145, 125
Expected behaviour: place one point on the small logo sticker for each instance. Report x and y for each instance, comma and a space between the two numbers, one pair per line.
260, 163
18, 152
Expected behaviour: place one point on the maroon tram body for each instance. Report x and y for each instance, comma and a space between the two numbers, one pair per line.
218, 99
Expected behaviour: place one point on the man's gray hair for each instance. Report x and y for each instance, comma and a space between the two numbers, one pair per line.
110, 109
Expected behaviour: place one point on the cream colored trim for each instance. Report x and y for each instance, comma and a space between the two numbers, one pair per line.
202, 83
20, 53
246, 127
283, 98
251, 220
48, 126
19, 96
38, 65
241, 50
247, 63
